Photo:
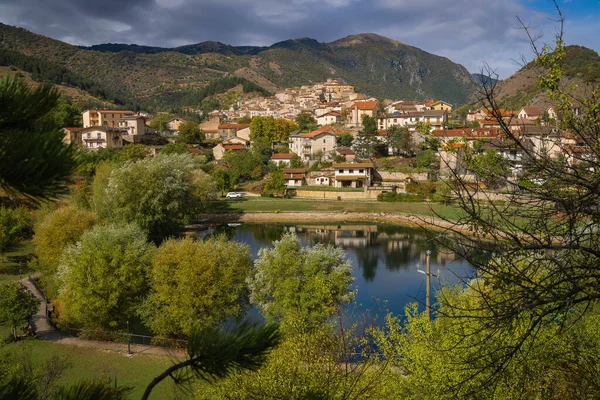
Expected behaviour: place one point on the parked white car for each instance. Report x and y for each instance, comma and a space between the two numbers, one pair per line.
233, 195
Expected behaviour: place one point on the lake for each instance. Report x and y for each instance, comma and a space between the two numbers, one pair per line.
385, 258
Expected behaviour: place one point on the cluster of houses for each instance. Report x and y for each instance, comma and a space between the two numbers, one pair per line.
339, 110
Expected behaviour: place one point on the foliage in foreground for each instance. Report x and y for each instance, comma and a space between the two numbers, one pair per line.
160, 193
15, 225
301, 286
321, 364
103, 277
34, 161
17, 305
56, 230
198, 283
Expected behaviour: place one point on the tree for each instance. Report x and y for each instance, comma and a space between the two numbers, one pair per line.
214, 354
490, 167
17, 305
34, 161
345, 139
262, 149
366, 142
104, 276
306, 122
58, 229
175, 148
321, 364
301, 286
223, 181
262, 127
159, 122
15, 226
160, 194
275, 184
196, 283
134, 152
536, 254
400, 140
240, 164
283, 129
244, 120
190, 132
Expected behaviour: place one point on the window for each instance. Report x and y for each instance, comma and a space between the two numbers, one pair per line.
361, 171
323, 140
341, 171
351, 171
98, 135
113, 115
89, 135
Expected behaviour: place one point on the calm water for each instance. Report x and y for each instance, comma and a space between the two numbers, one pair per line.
385, 258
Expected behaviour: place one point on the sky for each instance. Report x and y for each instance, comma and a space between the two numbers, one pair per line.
468, 32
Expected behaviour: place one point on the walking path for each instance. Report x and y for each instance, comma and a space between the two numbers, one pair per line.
44, 331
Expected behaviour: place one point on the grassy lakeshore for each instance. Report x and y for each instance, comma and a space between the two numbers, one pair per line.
272, 205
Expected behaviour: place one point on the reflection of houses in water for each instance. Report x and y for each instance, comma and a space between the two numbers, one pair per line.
345, 236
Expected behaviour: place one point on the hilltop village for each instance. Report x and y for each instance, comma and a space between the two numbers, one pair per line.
328, 135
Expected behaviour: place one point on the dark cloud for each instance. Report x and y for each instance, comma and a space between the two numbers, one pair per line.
469, 32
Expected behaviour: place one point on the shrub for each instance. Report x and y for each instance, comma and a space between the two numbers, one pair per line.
15, 225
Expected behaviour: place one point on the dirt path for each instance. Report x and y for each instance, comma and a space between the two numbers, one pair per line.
44, 331
303, 216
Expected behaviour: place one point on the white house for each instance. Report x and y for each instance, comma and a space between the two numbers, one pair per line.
307, 145
354, 175
284, 158
294, 176
102, 137
332, 117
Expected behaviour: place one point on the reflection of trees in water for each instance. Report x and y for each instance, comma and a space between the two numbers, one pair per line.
367, 258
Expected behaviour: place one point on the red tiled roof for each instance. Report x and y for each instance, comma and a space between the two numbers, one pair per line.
317, 132
532, 110
344, 151
365, 105
467, 132
233, 146
282, 156
74, 129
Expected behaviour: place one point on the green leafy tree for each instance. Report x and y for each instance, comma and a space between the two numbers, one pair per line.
536, 255
196, 283
34, 161
134, 152
301, 286
175, 148
345, 139
15, 225
426, 159
424, 128
262, 149
296, 161
312, 365
240, 164
490, 167
159, 122
17, 305
283, 129
213, 354
306, 122
275, 184
263, 127
190, 132
222, 180
366, 142
400, 140
58, 229
244, 120
160, 193
104, 276
88, 161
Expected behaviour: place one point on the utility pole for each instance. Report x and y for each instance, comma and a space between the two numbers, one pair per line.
428, 276
428, 283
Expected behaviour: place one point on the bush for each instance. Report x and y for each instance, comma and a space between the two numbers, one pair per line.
15, 225
401, 197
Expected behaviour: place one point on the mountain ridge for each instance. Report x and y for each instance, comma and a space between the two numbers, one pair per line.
376, 65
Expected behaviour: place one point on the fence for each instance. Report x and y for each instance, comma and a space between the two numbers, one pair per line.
121, 337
